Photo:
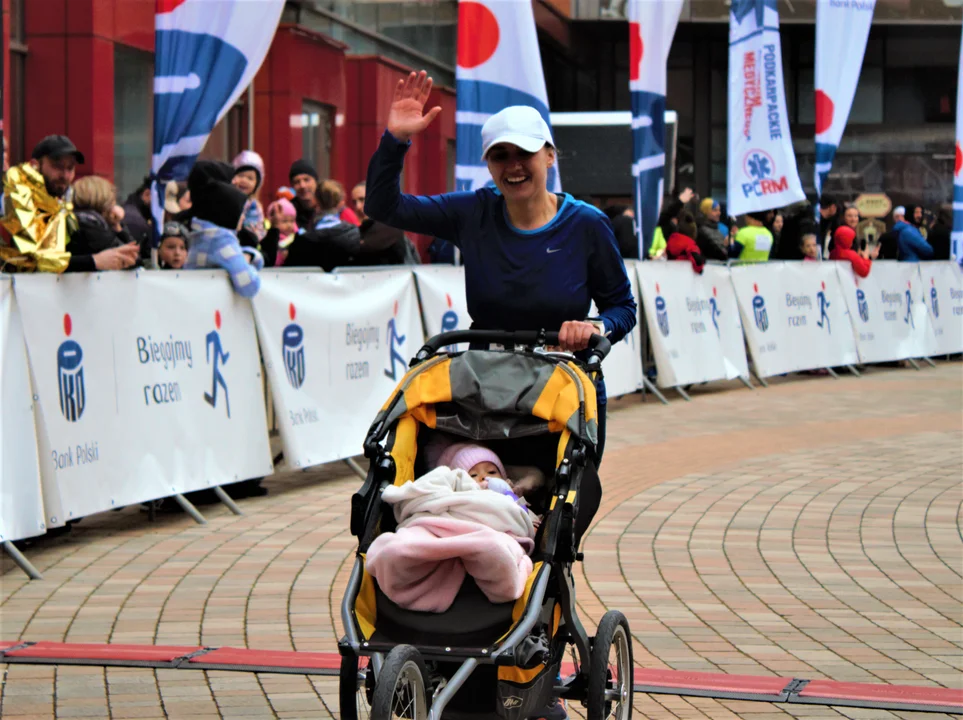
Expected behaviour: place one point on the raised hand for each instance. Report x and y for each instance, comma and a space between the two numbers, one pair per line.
407, 117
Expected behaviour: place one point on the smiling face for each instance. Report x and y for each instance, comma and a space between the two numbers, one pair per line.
518, 174
245, 181
304, 186
851, 217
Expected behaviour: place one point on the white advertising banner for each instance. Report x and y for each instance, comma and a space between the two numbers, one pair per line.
762, 170
889, 315
146, 384
942, 283
687, 322
444, 307
21, 500
794, 316
728, 322
622, 368
335, 348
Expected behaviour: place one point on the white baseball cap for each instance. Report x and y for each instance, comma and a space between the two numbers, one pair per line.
519, 125
899, 210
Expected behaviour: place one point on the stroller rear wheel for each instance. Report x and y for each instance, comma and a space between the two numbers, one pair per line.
353, 695
611, 677
400, 686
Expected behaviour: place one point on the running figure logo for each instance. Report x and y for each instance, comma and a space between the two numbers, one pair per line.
909, 306
70, 376
714, 312
934, 298
395, 341
862, 305
759, 312
220, 357
661, 313
823, 304
292, 344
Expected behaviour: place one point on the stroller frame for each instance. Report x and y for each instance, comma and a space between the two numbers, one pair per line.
558, 545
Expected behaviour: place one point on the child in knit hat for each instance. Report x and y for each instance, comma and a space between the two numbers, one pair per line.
283, 218
482, 464
248, 176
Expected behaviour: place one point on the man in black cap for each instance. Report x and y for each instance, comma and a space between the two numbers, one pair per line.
56, 157
304, 180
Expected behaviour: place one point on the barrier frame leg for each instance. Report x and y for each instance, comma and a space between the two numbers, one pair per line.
355, 468
683, 393
916, 365
762, 381
654, 390
19, 558
928, 361
747, 382
853, 370
189, 508
227, 500
832, 373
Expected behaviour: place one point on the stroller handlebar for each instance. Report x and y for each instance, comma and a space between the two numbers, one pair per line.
598, 346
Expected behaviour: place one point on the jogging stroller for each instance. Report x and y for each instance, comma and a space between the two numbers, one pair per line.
482, 659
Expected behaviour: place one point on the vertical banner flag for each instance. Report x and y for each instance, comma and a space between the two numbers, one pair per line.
762, 166
842, 29
498, 66
206, 54
956, 251
651, 29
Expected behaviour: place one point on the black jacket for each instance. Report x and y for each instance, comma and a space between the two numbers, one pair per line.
712, 242
624, 228
939, 239
889, 246
93, 235
328, 248
382, 244
139, 223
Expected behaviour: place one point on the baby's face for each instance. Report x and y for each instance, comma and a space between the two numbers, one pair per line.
482, 471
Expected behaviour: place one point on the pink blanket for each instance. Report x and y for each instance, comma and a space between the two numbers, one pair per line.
423, 564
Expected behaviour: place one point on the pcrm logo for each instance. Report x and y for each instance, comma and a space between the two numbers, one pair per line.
863, 305
395, 341
216, 351
292, 346
661, 313
934, 298
823, 304
759, 167
759, 312
70, 376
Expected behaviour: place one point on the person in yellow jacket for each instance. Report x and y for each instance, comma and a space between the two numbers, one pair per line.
753, 242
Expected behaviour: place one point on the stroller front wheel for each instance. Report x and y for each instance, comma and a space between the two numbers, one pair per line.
400, 686
612, 672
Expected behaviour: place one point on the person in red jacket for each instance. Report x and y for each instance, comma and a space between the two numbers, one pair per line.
681, 244
843, 239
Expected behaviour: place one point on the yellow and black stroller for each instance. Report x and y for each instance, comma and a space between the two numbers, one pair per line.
481, 659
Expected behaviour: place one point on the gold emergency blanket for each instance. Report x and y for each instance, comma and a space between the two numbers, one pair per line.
38, 223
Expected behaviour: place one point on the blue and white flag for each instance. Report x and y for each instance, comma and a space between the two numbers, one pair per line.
842, 29
762, 166
651, 29
956, 251
498, 66
205, 55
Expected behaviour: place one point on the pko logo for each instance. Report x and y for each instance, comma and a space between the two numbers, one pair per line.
759, 167
661, 313
759, 310
934, 298
70, 376
292, 345
862, 305
449, 322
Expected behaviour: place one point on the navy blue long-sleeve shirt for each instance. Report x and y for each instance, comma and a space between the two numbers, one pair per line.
514, 279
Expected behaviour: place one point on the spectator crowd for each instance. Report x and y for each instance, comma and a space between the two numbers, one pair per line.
223, 216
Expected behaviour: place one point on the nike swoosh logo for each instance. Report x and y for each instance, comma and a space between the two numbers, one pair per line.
549, 251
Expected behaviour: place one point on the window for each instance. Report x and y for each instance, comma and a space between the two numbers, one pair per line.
316, 129
133, 117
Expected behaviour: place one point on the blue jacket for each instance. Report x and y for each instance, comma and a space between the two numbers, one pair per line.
214, 246
514, 279
912, 245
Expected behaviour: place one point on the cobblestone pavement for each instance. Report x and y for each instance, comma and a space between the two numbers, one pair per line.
811, 529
